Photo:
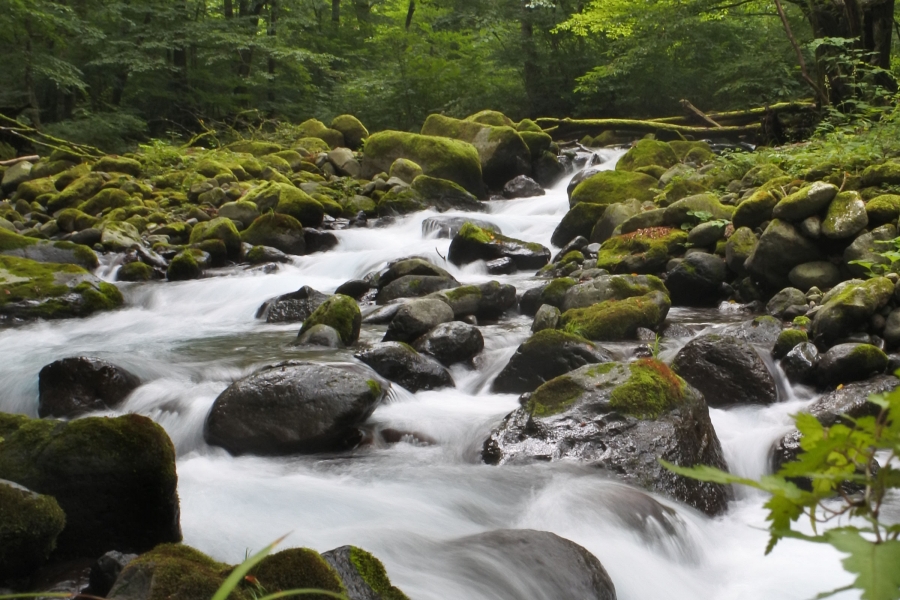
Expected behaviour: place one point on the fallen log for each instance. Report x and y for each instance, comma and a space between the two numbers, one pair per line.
740, 117
569, 128
13, 161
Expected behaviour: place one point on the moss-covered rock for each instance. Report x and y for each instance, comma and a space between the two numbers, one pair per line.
848, 308
695, 152
473, 243
119, 164
528, 125
107, 198
537, 142
173, 571
678, 188
359, 569
298, 568
32, 189
340, 312
114, 479
184, 266
580, 220
29, 526
846, 216
883, 209
646, 153
738, 249
277, 231
806, 202
352, 129
135, 271
876, 175
850, 362
254, 147
72, 219
13, 244
76, 192
787, 340
759, 175
491, 117
610, 187
779, 250
288, 200
642, 251
502, 151
405, 170
313, 128
119, 236
687, 210
755, 210
439, 157
614, 320
220, 228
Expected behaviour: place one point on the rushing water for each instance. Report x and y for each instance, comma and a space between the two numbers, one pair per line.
189, 340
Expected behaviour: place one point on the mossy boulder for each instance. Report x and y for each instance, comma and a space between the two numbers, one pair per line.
33, 189
780, 249
298, 568
439, 157
119, 236
755, 210
642, 251
72, 219
172, 571
787, 341
850, 362
106, 199
601, 289
883, 209
76, 192
806, 202
537, 142
848, 308
352, 129
491, 117
254, 147
846, 216
473, 243
610, 187
614, 320
695, 152
288, 200
528, 125
580, 220
184, 266
351, 206
118, 164
282, 232
29, 526
339, 312
502, 151
545, 355
646, 153
360, 570
220, 228
639, 412
313, 128
135, 271
760, 174
405, 170
688, 210
32, 290
240, 210
311, 145
13, 244
877, 175
114, 479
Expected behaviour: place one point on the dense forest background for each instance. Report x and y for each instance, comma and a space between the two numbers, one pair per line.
107, 72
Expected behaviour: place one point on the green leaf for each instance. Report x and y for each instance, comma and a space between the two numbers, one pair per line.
877, 566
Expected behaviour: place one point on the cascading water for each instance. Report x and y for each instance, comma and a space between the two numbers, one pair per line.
188, 341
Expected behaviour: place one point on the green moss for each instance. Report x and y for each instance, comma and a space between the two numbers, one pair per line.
537, 142
299, 205
867, 354
183, 267
439, 157
352, 205
651, 390
475, 233
106, 199
554, 293
400, 202
181, 572
802, 322
72, 219
613, 320
220, 228
311, 145
256, 148
786, 341
314, 128
610, 187
696, 150
580, 220
374, 387
14, 241
30, 190
647, 153
883, 209
759, 175
642, 251
374, 574
755, 209
29, 526
339, 312
461, 292
887, 173
297, 568
76, 192
528, 125
119, 164
135, 271
554, 397
352, 129
572, 256
283, 232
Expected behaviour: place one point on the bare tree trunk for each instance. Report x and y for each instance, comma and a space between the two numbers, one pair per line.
336, 11
34, 112
271, 31
410, 12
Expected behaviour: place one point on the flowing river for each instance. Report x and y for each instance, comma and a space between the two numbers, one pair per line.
188, 341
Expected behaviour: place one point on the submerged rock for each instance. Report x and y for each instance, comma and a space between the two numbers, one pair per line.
623, 418
293, 407
73, 386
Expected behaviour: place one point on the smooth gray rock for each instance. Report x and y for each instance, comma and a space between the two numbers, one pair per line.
451, 342
400, 363
416, 318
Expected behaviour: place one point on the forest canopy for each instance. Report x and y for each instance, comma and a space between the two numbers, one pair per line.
107, 72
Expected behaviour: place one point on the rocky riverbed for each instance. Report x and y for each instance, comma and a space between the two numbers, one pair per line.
435, 348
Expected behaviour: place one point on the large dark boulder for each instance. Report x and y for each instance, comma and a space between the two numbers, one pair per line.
623, 418
848, 307
849, 362
726, 370
545, 355
402, 364
73, 386
451, 342
291, 308
780, 249
485, 300
697, 280
417, 317
293, 407
114, 479
414, 286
